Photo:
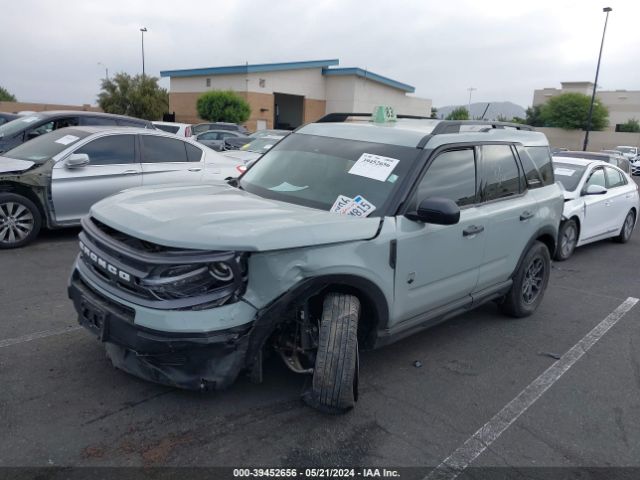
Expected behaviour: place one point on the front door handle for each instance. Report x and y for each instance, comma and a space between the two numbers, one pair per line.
472, 230
526, 215
195, 169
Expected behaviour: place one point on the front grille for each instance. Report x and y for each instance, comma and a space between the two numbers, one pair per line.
162, 277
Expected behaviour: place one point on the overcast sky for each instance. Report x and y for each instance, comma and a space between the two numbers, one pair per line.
504, 48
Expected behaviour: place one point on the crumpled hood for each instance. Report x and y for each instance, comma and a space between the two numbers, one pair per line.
13, 165
220, 217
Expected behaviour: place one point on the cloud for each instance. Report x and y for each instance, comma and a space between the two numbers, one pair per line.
505, 49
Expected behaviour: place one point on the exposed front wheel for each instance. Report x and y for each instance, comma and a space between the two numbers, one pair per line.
529, 282
567, 240
335, 375
627, 228
20, 220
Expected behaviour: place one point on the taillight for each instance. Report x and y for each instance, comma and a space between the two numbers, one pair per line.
241, 168
187, 132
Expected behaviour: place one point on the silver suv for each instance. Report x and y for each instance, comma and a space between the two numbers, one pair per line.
344, 236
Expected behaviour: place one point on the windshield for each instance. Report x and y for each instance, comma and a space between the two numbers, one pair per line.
17, 125
262, 144
568, 174
327, 173
42, 148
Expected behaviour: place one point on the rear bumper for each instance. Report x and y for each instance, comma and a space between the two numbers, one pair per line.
209, 360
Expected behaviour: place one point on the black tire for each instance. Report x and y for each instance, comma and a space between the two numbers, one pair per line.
529, 282
335, 376
627, 228
20, 220
567, 240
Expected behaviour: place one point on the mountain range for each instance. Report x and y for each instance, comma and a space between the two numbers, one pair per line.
507, 110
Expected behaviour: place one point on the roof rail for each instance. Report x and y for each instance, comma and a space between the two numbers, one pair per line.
453, 126
342, 117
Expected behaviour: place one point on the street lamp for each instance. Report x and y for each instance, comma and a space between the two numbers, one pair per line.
106, 70
471, 90
142, 30
595, 84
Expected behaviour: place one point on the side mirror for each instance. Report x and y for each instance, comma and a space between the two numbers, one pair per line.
595, 190
437, 210
77, 160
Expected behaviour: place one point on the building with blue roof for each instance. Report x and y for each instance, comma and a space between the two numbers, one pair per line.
287, 95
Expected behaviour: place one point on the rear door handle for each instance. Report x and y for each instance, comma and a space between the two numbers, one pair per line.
129, 172
526, 215
472, 230
195, 169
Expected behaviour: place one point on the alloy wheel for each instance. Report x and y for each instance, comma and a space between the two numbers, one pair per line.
533, 280
628, 226
16, 222
568, 240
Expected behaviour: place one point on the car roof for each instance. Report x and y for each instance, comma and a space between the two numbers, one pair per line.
84, 113
584, 162
170, 124
423, 132
107, 129
221, 131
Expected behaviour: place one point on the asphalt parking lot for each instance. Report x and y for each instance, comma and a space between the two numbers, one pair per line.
63, 404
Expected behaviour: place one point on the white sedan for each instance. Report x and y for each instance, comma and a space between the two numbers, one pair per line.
601, 201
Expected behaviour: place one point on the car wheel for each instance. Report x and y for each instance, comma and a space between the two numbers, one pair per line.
335, 375
529, 282
567, 240
627, 228
20, 220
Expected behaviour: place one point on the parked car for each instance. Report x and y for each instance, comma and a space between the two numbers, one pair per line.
635, 166
610, 157
238, 143
7, 117
628, 151
254, 149
215, 138
54, 179
28, 127
339, 238
179, 129
601, 201
203, 127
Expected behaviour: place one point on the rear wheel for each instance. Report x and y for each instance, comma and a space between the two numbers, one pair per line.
627, 228
567, 240
20, 220
335, 375
529, 282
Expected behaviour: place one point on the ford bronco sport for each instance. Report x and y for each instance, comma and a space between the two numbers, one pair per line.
347, 235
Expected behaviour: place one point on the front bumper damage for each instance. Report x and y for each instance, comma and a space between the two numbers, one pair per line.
193, 361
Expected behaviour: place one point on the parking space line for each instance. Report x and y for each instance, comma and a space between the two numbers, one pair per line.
475, 445
34, 336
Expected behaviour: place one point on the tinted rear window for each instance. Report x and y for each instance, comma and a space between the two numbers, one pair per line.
162, 149
99, 121
168, 128
541, 157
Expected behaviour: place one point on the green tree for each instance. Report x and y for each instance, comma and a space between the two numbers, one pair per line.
459, 113
138, 96
632, 126
518, 120
571, 110
534, 116
434, 112
5, 96
223, 106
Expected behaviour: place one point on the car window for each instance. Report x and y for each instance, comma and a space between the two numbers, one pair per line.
65, 122
194, 154
168, 128
451, 175
131, 123
500, 173
99, 121
597, 178
568, 174
209, 136
614, 178
161, 149
224, 135
541, 157
42, 148
110, 150
41, 129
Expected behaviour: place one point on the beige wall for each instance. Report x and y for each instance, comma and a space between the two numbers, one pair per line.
14, 107
573, 139
313, 109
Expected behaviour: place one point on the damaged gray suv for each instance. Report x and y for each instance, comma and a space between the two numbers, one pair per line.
347, 235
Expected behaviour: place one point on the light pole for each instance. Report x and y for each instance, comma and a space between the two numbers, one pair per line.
471, 90
595, 84
106, 70
142, 30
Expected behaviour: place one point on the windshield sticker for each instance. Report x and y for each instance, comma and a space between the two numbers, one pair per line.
566, 172
287, 187
374, 166
67, 139
358, 207
29, 119
267, 147
341, 202
273, 137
